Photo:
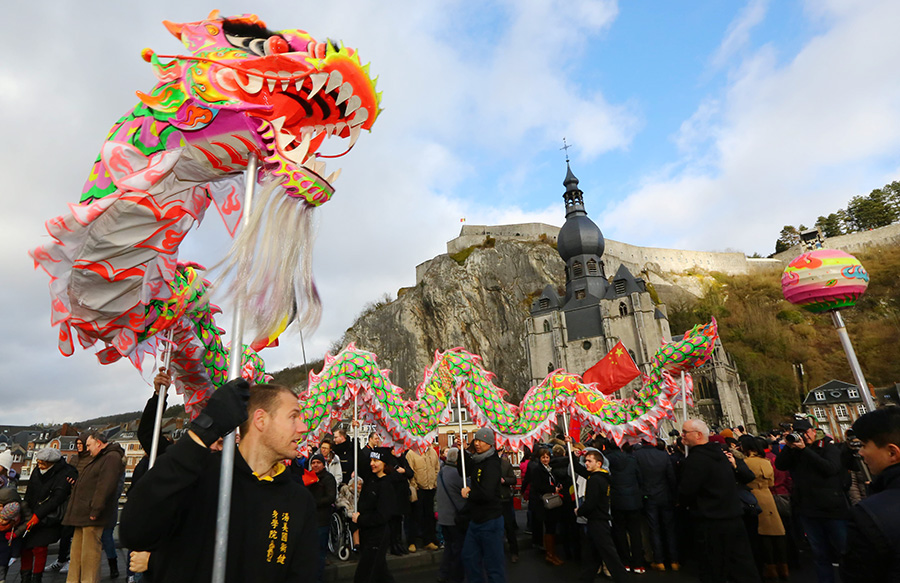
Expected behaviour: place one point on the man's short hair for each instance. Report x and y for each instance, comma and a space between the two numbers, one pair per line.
265, 397
98, 436
595, 455
698, 425
341, 432
881, 426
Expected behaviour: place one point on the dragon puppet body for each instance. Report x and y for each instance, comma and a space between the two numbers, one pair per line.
242, 91
354, 374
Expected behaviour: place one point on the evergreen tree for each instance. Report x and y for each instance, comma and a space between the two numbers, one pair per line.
830, 225
788, 237
871, 212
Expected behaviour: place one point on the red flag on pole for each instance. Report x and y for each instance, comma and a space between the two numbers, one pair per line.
575, 428
613, 371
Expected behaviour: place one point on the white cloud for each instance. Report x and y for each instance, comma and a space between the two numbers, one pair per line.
738, 34
788, 142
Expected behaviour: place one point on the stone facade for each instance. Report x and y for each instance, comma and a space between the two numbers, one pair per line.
575, 330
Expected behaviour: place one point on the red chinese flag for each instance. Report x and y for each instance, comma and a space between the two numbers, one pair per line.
613, 371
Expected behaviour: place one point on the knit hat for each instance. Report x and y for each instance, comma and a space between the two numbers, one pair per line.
381, 453
486, 435
50, 455
318, 457
10, 511
6, 459
727, 433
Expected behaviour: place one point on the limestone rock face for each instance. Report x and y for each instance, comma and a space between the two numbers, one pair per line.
480, 305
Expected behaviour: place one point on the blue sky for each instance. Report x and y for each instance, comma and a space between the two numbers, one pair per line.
701, 125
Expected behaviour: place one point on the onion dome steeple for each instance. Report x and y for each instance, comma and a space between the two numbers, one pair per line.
579, 235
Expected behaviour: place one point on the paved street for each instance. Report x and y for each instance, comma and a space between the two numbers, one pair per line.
422, 567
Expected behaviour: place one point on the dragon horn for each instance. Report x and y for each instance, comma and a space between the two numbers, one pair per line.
174, 28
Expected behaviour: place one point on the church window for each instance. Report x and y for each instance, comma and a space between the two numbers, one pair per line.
579, 294
842, 413
633, 357
620, 287
703, 388
544, 303
577, 269
546, 325
549, 367
592, 267
586, 344
819, 413
623, 309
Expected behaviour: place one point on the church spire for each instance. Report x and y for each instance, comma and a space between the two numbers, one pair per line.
573, 196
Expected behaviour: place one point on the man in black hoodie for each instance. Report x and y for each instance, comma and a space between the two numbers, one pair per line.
483, 547
599, 543
272, 532
709, 488
873, 538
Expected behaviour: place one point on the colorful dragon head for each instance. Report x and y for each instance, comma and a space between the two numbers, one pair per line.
280, 94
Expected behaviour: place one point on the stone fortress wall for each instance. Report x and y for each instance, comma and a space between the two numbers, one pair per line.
636, 259
851, 243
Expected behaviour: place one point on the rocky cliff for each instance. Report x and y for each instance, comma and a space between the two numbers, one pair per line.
478, 299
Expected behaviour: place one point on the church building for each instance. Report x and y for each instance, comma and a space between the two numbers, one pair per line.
575, 330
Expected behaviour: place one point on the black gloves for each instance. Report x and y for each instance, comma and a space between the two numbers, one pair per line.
226, 409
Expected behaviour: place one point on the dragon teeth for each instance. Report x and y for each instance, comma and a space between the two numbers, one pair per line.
333, 176
345, 93
286, 75
334, 81
271, 83
253, 84
361, 116
318, 81
353, 104
301, 150
354, 135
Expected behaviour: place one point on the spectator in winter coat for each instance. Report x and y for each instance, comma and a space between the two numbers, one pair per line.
449, 503
343, 449
324, 492
91, 505
399, 478
709, 489
770, 530
540, 482
873, 538
425, 469
8, 476
659, 487
332, 461
46, 495
508, 481
626, 500
61, 563
818, 497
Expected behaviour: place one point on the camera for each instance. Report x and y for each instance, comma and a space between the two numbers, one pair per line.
674, 433
793, 438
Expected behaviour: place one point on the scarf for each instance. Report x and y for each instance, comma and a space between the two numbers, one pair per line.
480, 457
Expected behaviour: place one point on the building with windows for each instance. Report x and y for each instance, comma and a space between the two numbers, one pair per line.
575, 330
835, 406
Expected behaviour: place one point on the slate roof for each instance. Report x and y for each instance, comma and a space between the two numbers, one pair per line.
834, 391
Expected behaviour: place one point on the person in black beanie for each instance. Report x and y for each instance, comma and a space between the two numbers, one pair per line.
599, 544
172, 511
375, 507
483, 546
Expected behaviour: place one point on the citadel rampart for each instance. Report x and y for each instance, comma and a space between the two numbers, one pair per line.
635, 258
851, 243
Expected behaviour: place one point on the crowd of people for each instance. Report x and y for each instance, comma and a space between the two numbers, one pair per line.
739, 507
